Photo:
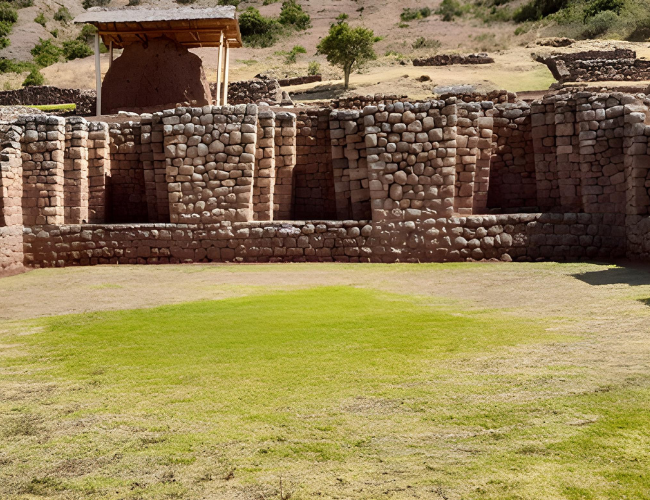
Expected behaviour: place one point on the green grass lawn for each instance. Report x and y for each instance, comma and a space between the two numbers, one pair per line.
330, 392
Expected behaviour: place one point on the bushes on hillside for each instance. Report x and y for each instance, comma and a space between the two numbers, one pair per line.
598, 6
34, 78
63, 15
260, 31
87, 4
414, 14
76, 49
293, 15
449, 9
46, 53
537, 9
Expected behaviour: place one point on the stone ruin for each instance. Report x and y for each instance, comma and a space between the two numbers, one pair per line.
564, 177
449, 59
596, 66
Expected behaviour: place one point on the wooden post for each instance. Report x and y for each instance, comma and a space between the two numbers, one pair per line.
225, 75
98, 75
110, 63
219, 63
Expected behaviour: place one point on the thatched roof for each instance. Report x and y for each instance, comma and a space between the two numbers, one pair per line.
188, 26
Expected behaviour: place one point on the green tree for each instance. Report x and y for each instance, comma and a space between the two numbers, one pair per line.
349, 48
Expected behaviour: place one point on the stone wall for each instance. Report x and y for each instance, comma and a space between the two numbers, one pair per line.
313, 180
300, 80
252, 91
285, 162
210, 155
520, 237
513, 181
409, 179
86, 100
597, 66
449, 59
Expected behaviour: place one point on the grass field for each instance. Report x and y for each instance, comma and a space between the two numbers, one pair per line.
318, 381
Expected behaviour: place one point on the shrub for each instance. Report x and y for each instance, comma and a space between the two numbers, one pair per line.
293, 15
46, 53
133, 3
13, 66
34, 78
40, 19
426, 43
413, 14
537, 9
313, 68
641, 31
8, 13
234, 3
87, 4
449, 9
63, 15
76, 49
599, 24
21, 4
598, 6
257, 30
293, 54
5, 28
55, 33
87, 33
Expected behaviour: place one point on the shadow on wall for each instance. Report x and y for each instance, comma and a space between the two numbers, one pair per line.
619, 275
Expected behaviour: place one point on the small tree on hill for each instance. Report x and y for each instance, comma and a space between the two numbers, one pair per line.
349, 48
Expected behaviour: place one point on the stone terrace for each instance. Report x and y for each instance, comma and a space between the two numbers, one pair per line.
565, 177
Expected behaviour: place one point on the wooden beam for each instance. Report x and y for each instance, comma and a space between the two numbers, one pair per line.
225, 75
98, 75
217, 99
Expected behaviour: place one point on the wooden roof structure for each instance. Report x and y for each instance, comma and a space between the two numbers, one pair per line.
192, 28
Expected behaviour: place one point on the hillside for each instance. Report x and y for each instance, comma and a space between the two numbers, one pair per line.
476, 27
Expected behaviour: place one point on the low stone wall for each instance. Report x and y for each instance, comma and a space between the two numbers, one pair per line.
596, 66
521, 237
360, 102
449, 59
300, 80
496, 96
86, 100
252, 91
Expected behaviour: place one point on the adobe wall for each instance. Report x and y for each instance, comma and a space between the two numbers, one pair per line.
160, 72
566, 177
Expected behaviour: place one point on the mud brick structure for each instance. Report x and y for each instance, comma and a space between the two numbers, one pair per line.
564, 177
449, 59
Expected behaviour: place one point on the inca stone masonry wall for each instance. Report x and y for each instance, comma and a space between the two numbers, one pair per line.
426, 181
